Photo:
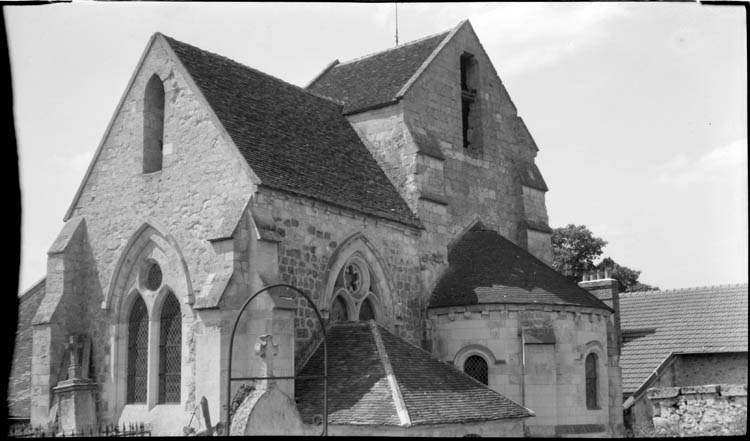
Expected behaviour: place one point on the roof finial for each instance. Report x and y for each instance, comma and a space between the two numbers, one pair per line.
396, 23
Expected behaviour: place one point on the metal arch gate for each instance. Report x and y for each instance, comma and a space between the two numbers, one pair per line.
295, 377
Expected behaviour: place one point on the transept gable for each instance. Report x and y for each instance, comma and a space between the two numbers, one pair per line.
158, 47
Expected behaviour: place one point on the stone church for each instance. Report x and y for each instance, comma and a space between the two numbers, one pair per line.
398, 190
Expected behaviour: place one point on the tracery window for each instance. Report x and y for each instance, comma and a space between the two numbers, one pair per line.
170, 351
591, 380
355, 291
476, 367
137, 352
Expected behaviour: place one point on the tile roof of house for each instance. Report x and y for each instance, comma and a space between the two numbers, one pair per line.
426, 391
293, 140
485, 267
692, 320
376, 79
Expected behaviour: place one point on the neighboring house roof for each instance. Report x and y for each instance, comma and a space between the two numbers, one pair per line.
293, 140
376, 378
376, 79
656, 324
19, 384
485, 267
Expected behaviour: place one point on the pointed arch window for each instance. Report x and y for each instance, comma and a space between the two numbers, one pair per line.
476, 367
366, 311
339, 313
591, 380
356, 294
153, 125
137, 352
170, 351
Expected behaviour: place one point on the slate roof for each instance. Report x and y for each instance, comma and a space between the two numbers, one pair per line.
376, 79
293, 140
692, 320
485, 267
359, 392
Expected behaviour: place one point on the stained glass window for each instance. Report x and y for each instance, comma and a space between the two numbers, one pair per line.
137, 352
591, 380
170, 351
476, 367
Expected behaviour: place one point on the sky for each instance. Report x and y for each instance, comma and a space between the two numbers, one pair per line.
639, 110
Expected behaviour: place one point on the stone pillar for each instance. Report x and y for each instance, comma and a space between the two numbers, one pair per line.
76, 395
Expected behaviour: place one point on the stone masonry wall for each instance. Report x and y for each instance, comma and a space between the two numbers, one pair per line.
451, 193
698, 369
313, 231
201, 189
552, 381
480, 183
19, 383
419, 143
708, 410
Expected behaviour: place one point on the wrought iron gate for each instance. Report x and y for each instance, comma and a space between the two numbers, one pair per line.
230, 378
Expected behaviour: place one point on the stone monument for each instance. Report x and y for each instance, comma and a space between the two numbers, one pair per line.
75, 395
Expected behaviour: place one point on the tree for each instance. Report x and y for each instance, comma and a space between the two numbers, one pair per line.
628, 277
574, 249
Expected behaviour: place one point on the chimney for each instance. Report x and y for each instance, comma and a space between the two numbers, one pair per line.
603, 287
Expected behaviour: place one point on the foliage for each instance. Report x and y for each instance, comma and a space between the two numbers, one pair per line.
574, 249
626, 276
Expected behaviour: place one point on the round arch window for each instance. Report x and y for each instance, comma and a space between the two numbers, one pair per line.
153, 277
476, 367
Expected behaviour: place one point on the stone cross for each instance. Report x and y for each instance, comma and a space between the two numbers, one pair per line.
260, 349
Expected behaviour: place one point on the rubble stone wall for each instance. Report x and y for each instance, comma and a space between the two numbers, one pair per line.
699, 410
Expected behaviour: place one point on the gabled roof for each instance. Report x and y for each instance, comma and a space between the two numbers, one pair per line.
376, 80
485, 267
293, 140
376, 378
692, 320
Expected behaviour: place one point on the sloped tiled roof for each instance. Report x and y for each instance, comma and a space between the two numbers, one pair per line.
376, 79
485, 267
692, 320
293, 140
359, 392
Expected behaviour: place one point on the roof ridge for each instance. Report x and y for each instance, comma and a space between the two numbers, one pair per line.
688, 289
398, 399
360, 58
245, 66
